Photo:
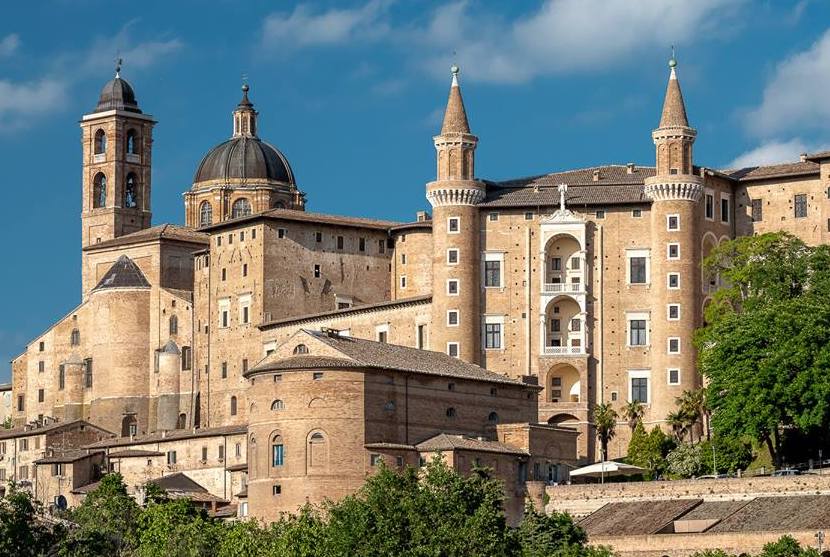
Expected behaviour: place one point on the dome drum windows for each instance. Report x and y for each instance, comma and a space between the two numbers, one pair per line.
205, 213
240, 208
278, 405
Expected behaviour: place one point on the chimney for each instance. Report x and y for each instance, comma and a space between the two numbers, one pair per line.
629, 168
803, 157
596, 175
422, 216
163, 433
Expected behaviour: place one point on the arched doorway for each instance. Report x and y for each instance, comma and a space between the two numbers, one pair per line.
563, 384
129, 426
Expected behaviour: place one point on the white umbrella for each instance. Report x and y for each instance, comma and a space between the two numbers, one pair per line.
607, 468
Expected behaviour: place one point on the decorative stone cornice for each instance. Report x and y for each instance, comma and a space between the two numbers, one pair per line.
682, 187
442, 197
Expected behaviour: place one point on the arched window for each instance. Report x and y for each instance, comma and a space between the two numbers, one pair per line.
131, 191
132, 140
99, 191
317, 450
181, 423
233, 406
129, 426
252, 463
451, 412
493, 418
100, 142
174, 325
240, 208
277, 451
205, 213
301, 349
75, 337
278, 205
278, 405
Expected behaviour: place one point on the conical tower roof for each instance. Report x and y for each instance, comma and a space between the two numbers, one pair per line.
455, 117
124, 273
674, 109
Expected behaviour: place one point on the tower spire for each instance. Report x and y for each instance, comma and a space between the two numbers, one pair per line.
455, 117
674, 109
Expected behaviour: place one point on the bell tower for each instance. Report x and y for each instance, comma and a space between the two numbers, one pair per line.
117, 140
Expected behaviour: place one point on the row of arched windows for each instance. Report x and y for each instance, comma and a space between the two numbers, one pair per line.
240, 208
317, 454
99, 191
100, 146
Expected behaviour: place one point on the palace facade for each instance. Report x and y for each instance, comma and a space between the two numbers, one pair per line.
320, 345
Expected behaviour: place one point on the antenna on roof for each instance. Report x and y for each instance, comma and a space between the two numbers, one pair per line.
118, 62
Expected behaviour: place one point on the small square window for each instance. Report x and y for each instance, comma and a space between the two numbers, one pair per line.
317, 375
673, 312
452, 318
673, 222
493, 216
674, 376
674, 345
614, 396
673, 251
276, 489
454, 225
637, 213
600, 214
452, 349
452, 256
674, 281
375, 459
452, 287
529, 215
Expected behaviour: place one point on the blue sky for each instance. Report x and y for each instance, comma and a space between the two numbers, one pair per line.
352, 93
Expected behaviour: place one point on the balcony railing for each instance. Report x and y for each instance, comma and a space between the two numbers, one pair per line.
563, 288
564, 351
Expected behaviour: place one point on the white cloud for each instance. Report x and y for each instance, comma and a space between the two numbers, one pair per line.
21, 102
566, 35
9, 45
771, 152
304, 27
100, 56
796, 95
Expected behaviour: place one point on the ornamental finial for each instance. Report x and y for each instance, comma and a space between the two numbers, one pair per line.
563, 188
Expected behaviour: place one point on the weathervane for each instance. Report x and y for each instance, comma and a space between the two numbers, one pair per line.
118, 62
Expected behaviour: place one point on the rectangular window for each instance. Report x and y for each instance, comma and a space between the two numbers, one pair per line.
42, 346
637, 332
318, 237
555, 325
614, 396
242, 236
709, 206
452, 256
361, 244
24, 473
88, 373
452, 318
674, 345
219, 240
453, 225
637, 213
244, 269
724, 209
282, 232
253, 234
637, 270
225, 317
674, 281
383, 336
340, 242
20, 403
556, 263
224, 370
493, 216
674, 377
403, 281
244, 365
800, 205
492, 274
421, 334
639, 389
41, 366
600, 214
24, 444
452, 349
529, 215
230, 238
673, 312
452, 287
576, 325
317, 375
276, 489
2, 474
61, 377
673, 222
673, 251
187, 358
757, 210
41, 395
381, 246
375, 459
316, 271
204, 454
171, 458
403, 259
277, 454
492, 336
224, 274
221, 453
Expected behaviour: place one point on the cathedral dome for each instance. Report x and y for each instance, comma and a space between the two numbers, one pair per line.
245, 158
117, 94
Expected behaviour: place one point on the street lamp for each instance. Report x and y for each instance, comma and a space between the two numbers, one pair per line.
820, 539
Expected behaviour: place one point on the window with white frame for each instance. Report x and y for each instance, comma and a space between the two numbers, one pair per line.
674, 345
452, 287
709, 205
637, 266
673, 251
452, 256
638, 329
493, 268
245, 309
725, 199
493, 329
452, 349
672, 222
673, 312
673, 281
452, 318
673, 376
454, 225
403, 281
639, 383
224, 312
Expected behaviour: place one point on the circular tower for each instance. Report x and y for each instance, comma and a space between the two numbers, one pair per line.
455, 235
169, 366
675, 192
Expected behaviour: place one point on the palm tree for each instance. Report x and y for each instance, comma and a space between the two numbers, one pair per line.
678, 423
633, 412
605, 422
692, 405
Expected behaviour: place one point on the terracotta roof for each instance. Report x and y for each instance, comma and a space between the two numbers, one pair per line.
773, 171
133, 453
23, 432
455, 116
124, 273
714, 510
307, 362
615, 185
87, 488
390, 446
172, 232
176, 434
821, 155
674, 109
446, 442
66, 457
380, 355
183, 294
354, 310
304, 216
238, 467
228, 511
635, 517
412, 225
179, 485
797, 512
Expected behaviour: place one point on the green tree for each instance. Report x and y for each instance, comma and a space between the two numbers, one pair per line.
648, 450
633, 412
7, 423
605, 423
686, 461
679, 424
730, 454
176, 528
544, 535
766, 348
106, 521
22, 533
787, 546
712, 553
692, 410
